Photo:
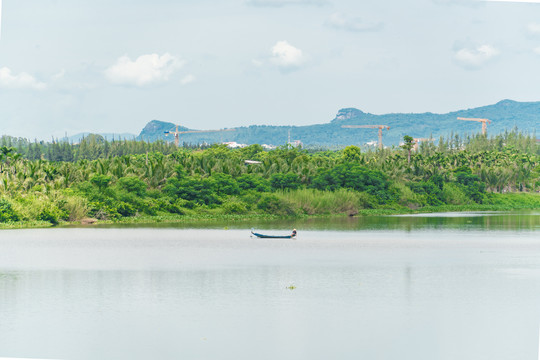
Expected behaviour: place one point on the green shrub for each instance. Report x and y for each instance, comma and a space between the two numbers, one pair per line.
312, 201
200, 191
101, 181
407, 197
125, 209
253, 182
224, 184
285, 181
453, 194
430, 191
233, 206
7, 213
272, 204
132, 184
357, 178
51, 213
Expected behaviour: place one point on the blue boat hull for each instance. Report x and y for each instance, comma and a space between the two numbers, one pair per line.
262, 236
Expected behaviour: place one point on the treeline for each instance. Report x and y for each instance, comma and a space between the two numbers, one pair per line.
285, 181
91, 147
94, 147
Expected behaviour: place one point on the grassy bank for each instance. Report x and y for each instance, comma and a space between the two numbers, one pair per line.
304, 204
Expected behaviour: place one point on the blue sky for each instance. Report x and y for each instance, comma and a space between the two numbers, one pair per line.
112, 66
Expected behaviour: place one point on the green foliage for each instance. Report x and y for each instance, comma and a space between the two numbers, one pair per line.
272, 204
352, 153
101, 181
288, 181
7, 213
224, 184
472, 185
132, 184
285, 181
253, 182
317, 202
431, 192
200, 191
234, 206
354, 177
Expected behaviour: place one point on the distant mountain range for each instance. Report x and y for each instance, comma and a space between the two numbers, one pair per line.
505, 115
75, 139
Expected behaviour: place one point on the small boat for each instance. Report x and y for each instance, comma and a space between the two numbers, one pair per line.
262, 236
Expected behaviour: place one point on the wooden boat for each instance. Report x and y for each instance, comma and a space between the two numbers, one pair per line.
262, 236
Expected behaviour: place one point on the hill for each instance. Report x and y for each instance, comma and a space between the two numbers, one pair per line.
505, 115
107, 136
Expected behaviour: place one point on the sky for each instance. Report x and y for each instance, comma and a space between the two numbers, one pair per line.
70, 66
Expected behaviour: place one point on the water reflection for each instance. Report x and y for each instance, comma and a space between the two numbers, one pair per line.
525, 220
430, 287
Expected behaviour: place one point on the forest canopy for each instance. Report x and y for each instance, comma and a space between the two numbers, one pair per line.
113, 180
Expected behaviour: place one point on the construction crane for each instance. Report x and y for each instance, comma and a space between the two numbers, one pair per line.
483, 121
380, 127
177, 133
417, 142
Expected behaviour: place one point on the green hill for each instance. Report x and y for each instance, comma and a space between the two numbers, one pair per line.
505, 115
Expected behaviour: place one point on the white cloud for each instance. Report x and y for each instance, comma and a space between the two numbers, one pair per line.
537, 50
475, 58
281, 3
146, 69
20, 81
286, 56
343, 22
187, 79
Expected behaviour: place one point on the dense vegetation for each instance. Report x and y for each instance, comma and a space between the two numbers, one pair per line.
130, 179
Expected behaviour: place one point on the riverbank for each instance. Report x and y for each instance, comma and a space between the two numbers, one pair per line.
509, 202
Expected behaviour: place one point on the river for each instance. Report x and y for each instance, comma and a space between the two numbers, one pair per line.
435, 286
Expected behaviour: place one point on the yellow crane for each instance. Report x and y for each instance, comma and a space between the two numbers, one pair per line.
483, 121
380, 127
177, 133
417, 142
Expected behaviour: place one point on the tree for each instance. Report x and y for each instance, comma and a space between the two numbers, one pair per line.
408, 145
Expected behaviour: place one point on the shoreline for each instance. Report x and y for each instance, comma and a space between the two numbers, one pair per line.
206, 218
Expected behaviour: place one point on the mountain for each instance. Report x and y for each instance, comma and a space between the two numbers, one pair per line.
505, 115
75, 139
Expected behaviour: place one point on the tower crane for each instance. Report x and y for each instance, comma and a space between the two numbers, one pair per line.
483, 121
177, 133
417, 142
380, 127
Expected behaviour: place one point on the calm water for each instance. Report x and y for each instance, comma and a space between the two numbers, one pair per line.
449, 286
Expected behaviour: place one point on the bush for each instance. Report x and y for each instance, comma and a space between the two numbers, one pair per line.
125, 209
51, 213
101, 181
407, 197
430, 191
253, 182
353, 177
200, 191
7, 213
343, 201
472, 186
233, 207
76, 207
285, 181
272, 204
453, 194
132, 184
224, 184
